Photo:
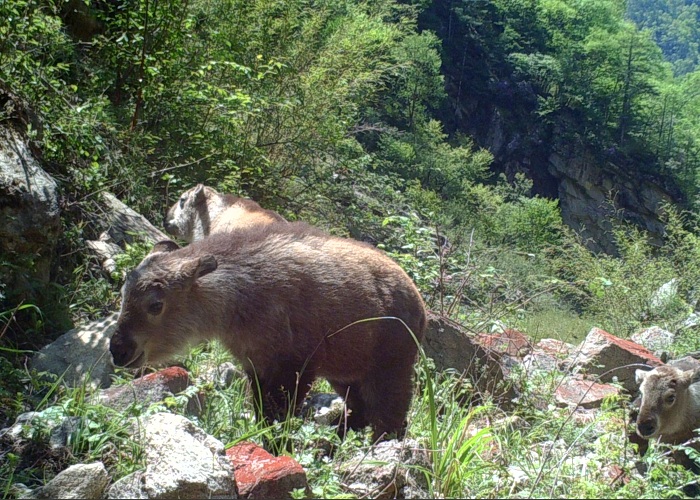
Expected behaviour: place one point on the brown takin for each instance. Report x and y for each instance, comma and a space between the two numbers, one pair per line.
291, 303
201, 211
670, 403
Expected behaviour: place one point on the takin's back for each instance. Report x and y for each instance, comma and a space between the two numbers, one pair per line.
287, 285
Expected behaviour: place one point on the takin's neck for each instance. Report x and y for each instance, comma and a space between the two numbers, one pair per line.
206, 216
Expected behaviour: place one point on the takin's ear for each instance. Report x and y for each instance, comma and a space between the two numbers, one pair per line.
193, 269
165, 246
640, 375
199, 194
685, 378
695, 377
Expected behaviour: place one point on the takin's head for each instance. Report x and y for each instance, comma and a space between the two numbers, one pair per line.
666, 399
192, 206
158, 319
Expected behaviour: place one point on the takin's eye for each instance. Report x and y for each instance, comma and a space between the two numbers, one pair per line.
155, 308
182, 202
670, 399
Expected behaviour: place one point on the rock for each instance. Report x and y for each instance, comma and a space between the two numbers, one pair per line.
127, 225
584, 393
390, 469
80, 355
221, 376
147, 390
510, 342
664, 297
60, 435
691, 321
15, 432
655, 339
77, 481
325, 408
182, 461
106, 250
31, 425
262, 475
452, 347
547, 355
30, 223
609, 356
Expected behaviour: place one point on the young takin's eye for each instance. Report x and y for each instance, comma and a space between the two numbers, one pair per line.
155, 308
182, 202
670, 399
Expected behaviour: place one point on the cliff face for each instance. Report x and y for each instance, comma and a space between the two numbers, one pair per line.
594, 188
592, 193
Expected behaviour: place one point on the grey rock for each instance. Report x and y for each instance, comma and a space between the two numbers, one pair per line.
664, 296
593, 192
655, 339
77, 481
221, 376
182, 461
61, 434
453, 348
390, 469
80, 355
29, 211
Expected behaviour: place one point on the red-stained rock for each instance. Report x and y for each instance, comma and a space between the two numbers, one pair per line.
584, 393
510, 342
609, 356
261, 475
148, 389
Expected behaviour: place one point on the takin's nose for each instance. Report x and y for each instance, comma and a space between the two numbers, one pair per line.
646, 427
169, 226
122, 349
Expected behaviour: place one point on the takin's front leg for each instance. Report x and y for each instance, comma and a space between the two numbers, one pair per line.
279, 396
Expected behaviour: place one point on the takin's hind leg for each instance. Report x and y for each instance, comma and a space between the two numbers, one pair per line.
386, 396
354, 416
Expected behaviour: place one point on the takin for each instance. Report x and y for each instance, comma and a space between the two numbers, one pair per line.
291, 303
201, 211
670, 403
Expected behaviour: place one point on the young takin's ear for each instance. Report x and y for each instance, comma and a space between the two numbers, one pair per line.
685, 378
192, 269
640, 375
165, 246
199, 194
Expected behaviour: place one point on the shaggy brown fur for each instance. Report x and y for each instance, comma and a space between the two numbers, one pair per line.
201, 211
284, 299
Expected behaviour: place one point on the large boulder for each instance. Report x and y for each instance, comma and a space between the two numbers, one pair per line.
611, 358
182, 461
81, 355
30, 223
453, 348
